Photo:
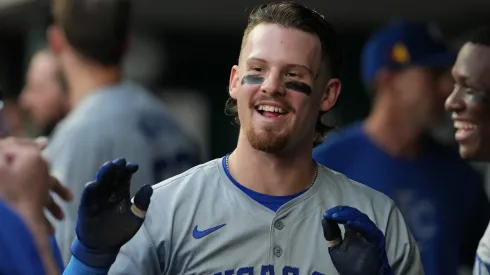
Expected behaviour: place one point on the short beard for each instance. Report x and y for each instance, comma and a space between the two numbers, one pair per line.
267, 142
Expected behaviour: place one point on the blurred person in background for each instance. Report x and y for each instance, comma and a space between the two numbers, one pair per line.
25, 186
45, 95
469, 104
109, 118
406, 67
12, 117
25, 183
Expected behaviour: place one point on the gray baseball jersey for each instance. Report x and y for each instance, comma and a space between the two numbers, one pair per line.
122, 120
200, 222
482, 261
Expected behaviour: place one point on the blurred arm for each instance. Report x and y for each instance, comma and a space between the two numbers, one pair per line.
18, 251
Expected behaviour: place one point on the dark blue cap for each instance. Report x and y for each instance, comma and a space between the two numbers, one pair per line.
402, 44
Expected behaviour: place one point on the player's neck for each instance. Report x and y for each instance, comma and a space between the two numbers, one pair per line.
271, 174
394, 131
85, 78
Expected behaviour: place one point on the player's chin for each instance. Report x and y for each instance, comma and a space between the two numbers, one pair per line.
472, 152
269, 135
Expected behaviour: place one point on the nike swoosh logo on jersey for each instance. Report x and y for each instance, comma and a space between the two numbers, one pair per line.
199, 234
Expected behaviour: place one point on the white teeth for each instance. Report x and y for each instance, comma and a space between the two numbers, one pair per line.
464, 125
268, 108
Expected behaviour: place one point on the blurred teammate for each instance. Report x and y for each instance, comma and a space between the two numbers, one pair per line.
109, 117
25, 183
406, 66
259, 210
12, 117
45, 95
470, 107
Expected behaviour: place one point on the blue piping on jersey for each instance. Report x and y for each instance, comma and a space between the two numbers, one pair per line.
269, 201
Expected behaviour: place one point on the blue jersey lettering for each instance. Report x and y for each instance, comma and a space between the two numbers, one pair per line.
290, 270
245, 270
265, 270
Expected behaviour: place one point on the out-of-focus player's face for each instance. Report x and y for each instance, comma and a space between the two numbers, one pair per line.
470, 101
42, 95
423, 91
280, 86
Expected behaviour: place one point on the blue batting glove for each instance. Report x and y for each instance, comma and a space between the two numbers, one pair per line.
362, 251
106, 217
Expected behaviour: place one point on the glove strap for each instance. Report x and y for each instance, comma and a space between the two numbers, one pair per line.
92, 257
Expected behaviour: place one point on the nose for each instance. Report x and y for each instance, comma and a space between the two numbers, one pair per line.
454, 102
273, 84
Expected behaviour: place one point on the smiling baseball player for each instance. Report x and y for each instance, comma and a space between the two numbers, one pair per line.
469, 104
267, 208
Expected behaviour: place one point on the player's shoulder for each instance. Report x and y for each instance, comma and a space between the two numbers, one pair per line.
118, 112
337, 189
121, 102
76, 134
72, 131
205, 173
353, 192
185, 191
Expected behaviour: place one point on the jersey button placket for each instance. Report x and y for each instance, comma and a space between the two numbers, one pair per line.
278, 225
279, 240
277, 251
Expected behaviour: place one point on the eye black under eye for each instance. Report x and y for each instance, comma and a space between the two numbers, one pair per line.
472, 91
252, 80
478, 96
299, 87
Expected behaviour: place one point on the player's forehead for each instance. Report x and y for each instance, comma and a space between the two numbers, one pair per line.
278, 45
473, 65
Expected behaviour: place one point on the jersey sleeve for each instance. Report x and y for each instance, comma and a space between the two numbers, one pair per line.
480, 267
75, 267
18, 253
401, 248
482, 259
138, 256
483, 252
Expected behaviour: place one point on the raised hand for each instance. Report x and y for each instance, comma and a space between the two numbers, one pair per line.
362, 250
26, 183
107, 218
